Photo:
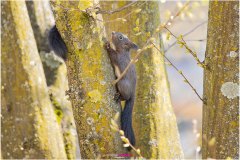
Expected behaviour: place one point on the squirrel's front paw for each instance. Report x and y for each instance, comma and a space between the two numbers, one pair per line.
107, 45
117, 97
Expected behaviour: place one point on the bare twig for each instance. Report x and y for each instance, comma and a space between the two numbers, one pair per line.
136, 150
126, 141
182, 42
101, 11
179, 71
115, 10
196, 27
192, 30
123, 18
199, 40
159, 29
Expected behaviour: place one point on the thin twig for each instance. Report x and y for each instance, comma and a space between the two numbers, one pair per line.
140, 156
192, 30
196, 27
122, 18
158, 30
101, 11
115, 10
183, 42
134, 60
114, 126
126, 141
199, 40
179, 71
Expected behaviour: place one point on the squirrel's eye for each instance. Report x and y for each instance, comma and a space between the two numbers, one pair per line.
120, 37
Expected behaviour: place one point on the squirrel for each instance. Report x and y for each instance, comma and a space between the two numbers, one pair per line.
56, 43
120, 57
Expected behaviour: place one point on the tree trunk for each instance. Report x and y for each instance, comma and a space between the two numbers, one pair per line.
63, 110
29, 127
90, 76
42, 20
62, 106
154, 120
221, 111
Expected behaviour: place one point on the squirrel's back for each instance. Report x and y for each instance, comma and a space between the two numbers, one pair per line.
56, 43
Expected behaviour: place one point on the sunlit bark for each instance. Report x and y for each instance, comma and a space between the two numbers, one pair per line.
90, 76
221, 82
28, 123
154, 120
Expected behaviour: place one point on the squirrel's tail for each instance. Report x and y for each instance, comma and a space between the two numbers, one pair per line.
126, 121
56, 43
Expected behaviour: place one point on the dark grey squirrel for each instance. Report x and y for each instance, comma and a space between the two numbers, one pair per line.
56, 43
120, 57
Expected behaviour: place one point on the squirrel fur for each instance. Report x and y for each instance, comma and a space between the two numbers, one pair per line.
120, 57
56, 43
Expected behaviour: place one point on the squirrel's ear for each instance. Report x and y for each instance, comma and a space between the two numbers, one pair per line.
134, 46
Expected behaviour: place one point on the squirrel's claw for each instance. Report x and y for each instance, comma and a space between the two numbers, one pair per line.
107, 45
117, 97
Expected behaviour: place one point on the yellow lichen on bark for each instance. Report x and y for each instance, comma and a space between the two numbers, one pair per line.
90, 76
29, 127
221, 82
154, 121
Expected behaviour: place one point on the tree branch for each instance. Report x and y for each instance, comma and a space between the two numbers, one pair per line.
115, 10
123, 18
182, 42
179, 71
114, 126
199, 40
192, 30
158, 30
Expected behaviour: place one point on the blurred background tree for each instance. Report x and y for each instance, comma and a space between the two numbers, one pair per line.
29, 126
42, 20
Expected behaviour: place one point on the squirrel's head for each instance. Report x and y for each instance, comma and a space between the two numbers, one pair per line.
121, 41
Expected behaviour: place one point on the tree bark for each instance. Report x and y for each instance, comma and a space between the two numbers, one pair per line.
154, 121
90, 76
221, 85
29, 127
63, 111
42, 20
